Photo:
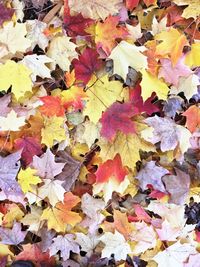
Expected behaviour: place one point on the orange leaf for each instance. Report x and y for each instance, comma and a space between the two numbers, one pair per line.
52, 106
107, 32
193, 118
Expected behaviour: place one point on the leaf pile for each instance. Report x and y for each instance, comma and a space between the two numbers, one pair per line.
100, 133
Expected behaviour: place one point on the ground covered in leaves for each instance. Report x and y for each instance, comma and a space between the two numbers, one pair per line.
99, 133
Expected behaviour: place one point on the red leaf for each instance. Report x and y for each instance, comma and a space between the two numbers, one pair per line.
111, 168
76, 25
30, 146
117, 117
86, 65
141, 215
130, 4
52, 106
33, 253
136, 99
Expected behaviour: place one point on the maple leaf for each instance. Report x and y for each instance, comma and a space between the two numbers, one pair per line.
172, 44
192, 118
87, 132
122, 225
9, 167
30, 147
11, 122
138, 103
174, 255
73, 98
33, 253
26, 178
46, 166
150, 84
87, 242
169, 134
192, 10
128, 146
4, 108
53, 130
5, 13
35, 33
152, 174
122, 59
62, 52
76, 25
12, 35
100, 96
52, 106
117, 118
53, 190
61, 214
37, 65
86, 65
16, 75
115, 244
172, 73
111, 168
110, 177
70, 171
107, 32
178, 186
187, 85
65, 244
12, 236
130, 4
192, 59
95, 9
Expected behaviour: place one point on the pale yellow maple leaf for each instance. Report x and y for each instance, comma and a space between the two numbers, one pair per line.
95, 9
126, 55
192, 10
13, 35
32, 219
53, 130
16, 75
11, 122
187, 85
152, 84
53, 190
26, 178
100, 96
61, 51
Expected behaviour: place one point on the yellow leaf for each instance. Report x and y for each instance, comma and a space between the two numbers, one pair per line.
192, 58
4, 250
128, 146
14, 214
172, 44
192, 10
16, 75
26, 178
100, 96
152, 84
53, 130
61, 215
